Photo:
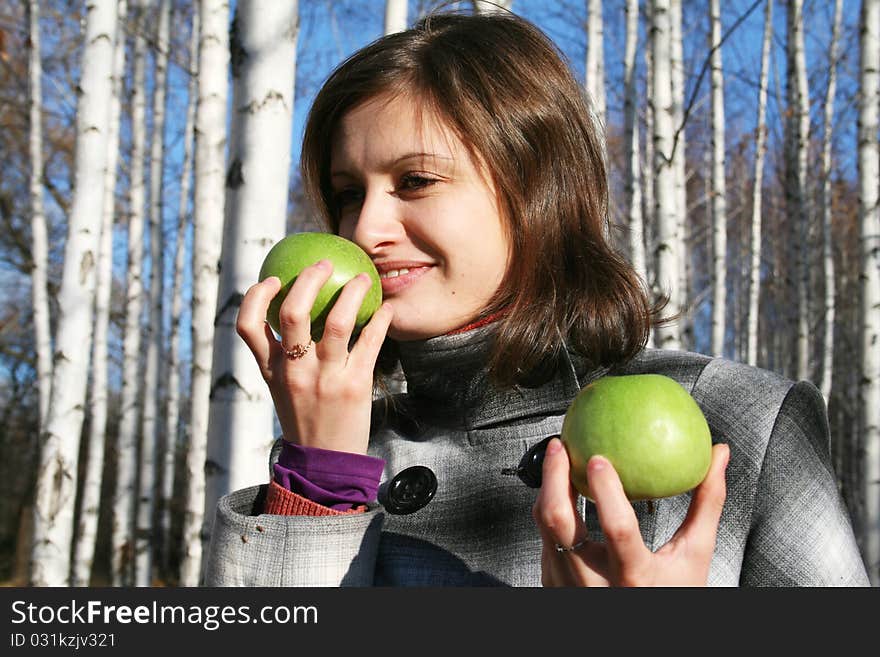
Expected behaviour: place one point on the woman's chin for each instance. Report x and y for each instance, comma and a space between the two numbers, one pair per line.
402, 331
408, 335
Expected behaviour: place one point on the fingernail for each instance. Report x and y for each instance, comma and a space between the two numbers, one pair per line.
597, 463
553, 446
323, 264
364, 277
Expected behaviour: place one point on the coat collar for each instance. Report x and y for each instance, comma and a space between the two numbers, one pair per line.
447, 383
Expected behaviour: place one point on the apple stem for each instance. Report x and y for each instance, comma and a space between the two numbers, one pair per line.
651, 507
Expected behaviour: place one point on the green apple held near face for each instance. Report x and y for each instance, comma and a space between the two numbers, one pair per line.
649, 428
291, 255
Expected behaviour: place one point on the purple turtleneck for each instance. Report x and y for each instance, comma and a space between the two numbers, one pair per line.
339, 480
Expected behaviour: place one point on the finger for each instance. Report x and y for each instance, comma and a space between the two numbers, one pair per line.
548, 565
294, 316
583, 566
616, 514
341, 319
553, 569
554, 511
700, 526
369, 342
250, 323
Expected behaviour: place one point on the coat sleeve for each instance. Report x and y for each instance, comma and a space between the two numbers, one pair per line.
271, 550
801, 533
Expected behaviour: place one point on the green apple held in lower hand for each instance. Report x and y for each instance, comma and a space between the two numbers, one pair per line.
649, 428
296, 252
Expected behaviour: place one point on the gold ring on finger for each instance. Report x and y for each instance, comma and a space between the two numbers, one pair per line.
297, 351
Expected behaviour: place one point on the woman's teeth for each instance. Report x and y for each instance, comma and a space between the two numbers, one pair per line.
394, 273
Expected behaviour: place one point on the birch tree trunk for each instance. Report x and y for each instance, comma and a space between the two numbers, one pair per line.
869, 224
798, 134
649, 220
84, 548
153, 334
826, 203
679, 165
39, 230
207, 239
132, 372
263, 47
57, 475
718, 194
395, 16
172, 417
760, 152
667, 245
632, 179
491, 6
596, 60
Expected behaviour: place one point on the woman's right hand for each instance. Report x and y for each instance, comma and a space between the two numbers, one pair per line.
323, 398
568, 558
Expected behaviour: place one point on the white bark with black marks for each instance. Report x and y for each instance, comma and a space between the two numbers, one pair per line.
649, 219
760, 153
87, 533
39, 228
668, 253
210, 169
60, 437
154, 375
172, 416
595, 65
132, 372
632, 172
826, 205
719, 185
797, 198
679, 167
869, 238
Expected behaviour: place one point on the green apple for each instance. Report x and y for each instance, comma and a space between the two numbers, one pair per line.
291, 255
649, 428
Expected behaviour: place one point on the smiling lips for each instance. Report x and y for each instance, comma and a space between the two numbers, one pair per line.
396, 276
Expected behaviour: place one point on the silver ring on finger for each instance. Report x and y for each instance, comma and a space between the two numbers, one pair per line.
579, 544
297, 351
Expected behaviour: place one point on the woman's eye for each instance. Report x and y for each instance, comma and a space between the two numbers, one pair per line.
412, 181
346, 197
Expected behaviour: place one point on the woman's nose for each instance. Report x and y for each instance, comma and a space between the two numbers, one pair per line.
378, 223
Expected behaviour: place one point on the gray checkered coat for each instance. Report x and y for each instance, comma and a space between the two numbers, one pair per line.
783, 523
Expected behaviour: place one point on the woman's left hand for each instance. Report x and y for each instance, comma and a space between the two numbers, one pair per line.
624, 559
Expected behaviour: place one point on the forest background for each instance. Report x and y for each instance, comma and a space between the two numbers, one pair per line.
201, 113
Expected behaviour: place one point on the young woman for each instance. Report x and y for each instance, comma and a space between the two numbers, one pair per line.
462, 157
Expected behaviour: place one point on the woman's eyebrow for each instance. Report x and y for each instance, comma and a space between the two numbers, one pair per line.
342, 173
421, 156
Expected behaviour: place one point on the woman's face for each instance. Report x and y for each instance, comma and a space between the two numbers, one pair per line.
409, 194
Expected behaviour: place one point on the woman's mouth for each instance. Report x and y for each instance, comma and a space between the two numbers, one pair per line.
399, 278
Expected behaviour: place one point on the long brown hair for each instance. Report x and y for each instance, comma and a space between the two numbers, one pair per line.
504, 88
